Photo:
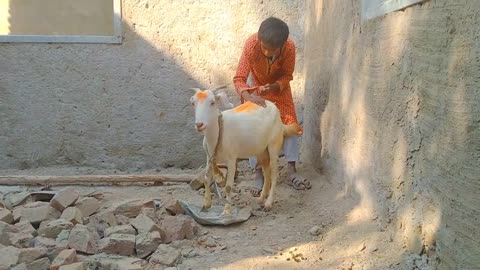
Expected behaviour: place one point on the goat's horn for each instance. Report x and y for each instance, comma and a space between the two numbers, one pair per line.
195, 89
218, 88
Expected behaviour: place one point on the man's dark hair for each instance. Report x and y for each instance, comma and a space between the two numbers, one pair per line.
273, 32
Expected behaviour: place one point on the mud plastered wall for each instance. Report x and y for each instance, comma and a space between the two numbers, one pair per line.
126, 106
393, 111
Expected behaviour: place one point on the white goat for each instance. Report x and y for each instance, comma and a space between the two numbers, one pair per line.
245, 131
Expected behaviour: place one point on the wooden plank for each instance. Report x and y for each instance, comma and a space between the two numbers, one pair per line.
50, 180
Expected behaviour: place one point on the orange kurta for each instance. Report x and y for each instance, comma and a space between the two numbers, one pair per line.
280, 70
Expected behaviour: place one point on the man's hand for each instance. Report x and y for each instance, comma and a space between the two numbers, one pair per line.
274, 87
253, 98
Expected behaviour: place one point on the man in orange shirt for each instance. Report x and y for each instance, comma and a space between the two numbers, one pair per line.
264, 73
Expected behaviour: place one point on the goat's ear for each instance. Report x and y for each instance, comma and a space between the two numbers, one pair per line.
196, 90
218, 88
222, 98
221, 95
218, 97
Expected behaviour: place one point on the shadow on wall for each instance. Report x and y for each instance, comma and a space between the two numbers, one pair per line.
108, 106
394, 115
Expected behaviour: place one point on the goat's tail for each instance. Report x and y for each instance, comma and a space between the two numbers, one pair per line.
292, 129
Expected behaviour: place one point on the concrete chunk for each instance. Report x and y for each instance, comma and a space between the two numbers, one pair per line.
28, 255
9, 257
147, 243
14, 199
165, 255
17, 213
40, 264
73, 266
82, 239
174, 207
6, 216
5, 229
122, 229
132, 208
25, 227
87, 206
73, 215
112, 261
121, 244
45, 242
20, 240
64, 198
152, 213
65, 257
37, 212
178, 228
54, 227
122, 220
54, 253
144, 224
62, 239
21, 266
101, 221
197, 183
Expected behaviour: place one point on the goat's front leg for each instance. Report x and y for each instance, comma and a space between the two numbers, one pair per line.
207, 200
228, 187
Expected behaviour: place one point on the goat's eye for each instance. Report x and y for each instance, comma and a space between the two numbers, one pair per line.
212, 103
193, 103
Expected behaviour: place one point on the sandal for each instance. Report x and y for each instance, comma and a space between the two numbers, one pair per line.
299, 182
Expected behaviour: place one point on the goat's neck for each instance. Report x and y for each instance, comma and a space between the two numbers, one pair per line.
211, 135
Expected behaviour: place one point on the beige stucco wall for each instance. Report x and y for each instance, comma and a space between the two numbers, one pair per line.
126, 106
392, 111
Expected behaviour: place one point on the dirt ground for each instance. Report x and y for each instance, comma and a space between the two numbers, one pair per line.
280, 238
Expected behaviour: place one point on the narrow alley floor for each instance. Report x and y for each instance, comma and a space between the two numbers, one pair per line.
322, 228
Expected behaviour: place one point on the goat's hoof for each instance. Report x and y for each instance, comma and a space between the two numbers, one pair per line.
261, 201
227, 211
206, 207
225, 214
268, 206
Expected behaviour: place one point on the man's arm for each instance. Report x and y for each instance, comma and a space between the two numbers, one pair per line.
240, 78
288, 66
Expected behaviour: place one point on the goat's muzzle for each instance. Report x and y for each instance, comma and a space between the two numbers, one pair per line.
200, 126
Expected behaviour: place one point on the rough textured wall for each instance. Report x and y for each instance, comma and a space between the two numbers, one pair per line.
393, 110
126, 106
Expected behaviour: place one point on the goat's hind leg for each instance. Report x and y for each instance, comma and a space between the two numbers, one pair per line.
264, 160
273, 150
272, 183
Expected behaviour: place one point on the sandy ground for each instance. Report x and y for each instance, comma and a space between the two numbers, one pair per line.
274, 239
